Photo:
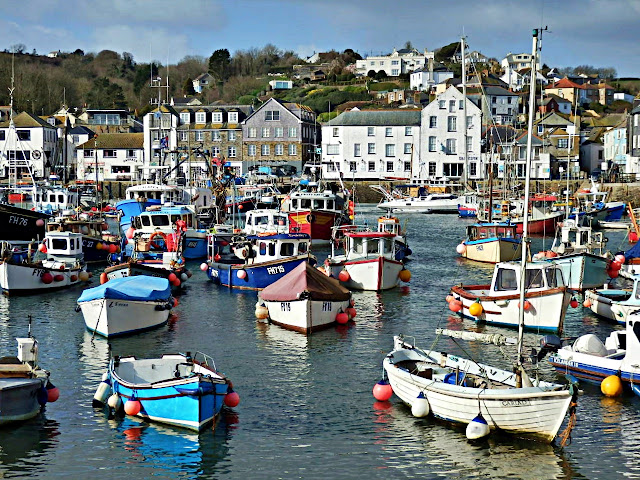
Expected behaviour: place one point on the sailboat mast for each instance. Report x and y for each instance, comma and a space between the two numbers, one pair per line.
464, 112
527, 184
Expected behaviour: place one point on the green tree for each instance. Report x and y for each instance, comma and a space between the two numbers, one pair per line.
220, 64
445, 53
371, 74
187, 87
105, 94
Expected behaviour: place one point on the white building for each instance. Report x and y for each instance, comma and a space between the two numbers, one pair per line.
443, 137
633, 141
372, 145
498, 105
615, 147
160, 139
111, 156
400, 61
33, 145
425, 78
518, 61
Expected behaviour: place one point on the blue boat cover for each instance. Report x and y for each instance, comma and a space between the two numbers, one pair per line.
633, 252
137, 287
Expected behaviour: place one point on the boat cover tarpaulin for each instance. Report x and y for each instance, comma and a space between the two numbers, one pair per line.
633, 252
137, 287
305, 278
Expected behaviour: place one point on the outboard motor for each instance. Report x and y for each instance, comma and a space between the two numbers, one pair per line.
549, 343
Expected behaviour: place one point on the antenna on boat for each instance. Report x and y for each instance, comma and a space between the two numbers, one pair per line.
29, 332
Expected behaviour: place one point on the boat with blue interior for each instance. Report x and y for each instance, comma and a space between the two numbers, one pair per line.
253, 262
491, 242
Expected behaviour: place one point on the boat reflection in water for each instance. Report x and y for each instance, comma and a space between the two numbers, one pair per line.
19, 445
446, 452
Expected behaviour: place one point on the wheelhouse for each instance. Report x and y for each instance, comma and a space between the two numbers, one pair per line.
492, 230
506, 278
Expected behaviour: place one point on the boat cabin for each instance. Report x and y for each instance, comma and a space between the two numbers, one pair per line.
164, 218
267, 220
481, 231
91, 228
65, 247
574, 238
169, 194
56, 200
539, 277
326, 200
390, 225
368, 244
253, 249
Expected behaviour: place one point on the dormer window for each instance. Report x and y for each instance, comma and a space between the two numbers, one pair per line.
216, 117
184, 117
233, 117
201, 117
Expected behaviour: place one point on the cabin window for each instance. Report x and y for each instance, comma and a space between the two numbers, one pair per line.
554, 277
492, 232
372, 246
272, 249
305, 203
73, 245
60, 198
160, 221
508, 233
262, 220
263, 248
387, 245
58, 244
330, 205
286, 249
482, 233
77, 243
302, 248
146, 221
506, 280
318, 204
534, 279
357, 245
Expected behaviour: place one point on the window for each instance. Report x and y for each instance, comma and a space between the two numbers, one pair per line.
109, 154
509, 100
469, 121
184, 117
493, 99
131, 154
433, 121
286, 249
389, 150
506, 280
265, 132
88, 153
395, 62
372, 166
395, 72
232, 136
520, 170
452, 105
333, 149
473, 169
231, 152
493, 111
452, 169
272, 115
442, 104
353, 167
563, 143
251, 150
389, 166
370, 131
279, 149
199, 136
469, 144
356, 150
183, 136
293, 132
460, 104
336, 131
452, 124
371, 148
388, 132
293, 149
451, 146
264, 150
24, 135
215, 151
407, 166
432, 169
200, 117
278, 132
432, 144
252, 132
407, 131
233, 117
216, 117
407, 148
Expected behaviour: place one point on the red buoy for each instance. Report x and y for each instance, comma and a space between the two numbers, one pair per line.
382, 391
58, 278
103, 278
231, 399
351, 312
342, 318
47, 278
53, 393
172, 277
344, 276
132, 407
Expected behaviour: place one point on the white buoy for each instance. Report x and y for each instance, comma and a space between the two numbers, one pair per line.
477, 428
420, 407
115, 401
102, 393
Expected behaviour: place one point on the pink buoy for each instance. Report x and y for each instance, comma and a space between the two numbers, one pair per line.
204, 267
130, 232
461, 248
450, 298
242, 274
132, 407
231, 399
40, 223
620, 259
382, 391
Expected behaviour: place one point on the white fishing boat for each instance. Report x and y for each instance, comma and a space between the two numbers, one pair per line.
483, 397
306, 300
369, 260
62, 267
126, 305
615, 303
391, 224
24, 386
430, 203
265, 220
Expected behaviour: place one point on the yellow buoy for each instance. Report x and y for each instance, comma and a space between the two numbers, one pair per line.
475, 309
404, 275
611, 386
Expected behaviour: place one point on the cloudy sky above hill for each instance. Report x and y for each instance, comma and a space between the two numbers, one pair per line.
602, 33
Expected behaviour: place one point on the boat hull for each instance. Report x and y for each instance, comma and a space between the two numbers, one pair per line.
544, 225
532, 412
195, 245
19, 399
592, 368
582, 271
493, 250
375, 274
18, 223
27, 279
94, 255
602, 301
547, 311
258, 276
112, 317
305, 316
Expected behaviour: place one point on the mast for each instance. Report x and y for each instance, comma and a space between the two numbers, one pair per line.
525, 226
464, 112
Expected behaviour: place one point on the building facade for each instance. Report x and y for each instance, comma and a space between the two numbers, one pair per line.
111, 156
399, 62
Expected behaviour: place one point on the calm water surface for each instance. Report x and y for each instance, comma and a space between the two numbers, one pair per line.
306, 407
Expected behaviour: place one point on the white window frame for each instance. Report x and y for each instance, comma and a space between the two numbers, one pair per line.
185, 117
201, 117
279, 149
216, 117
293, 149
233, 117
252, 132
231, 151
251, 150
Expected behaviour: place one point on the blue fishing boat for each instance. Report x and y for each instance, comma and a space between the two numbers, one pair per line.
175, 389
255, 261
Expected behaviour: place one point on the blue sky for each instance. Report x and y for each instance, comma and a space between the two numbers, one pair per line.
603, 33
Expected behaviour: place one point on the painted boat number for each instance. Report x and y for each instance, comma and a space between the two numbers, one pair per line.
19, 221
192, 244
37, 272
275, 270
516, 403
480, 248
118, 304
326, 306
285, 306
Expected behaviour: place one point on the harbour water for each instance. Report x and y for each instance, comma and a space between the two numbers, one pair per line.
306, 407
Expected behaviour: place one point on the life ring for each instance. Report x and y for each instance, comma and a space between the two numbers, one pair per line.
311, 218
152, 242
36, 154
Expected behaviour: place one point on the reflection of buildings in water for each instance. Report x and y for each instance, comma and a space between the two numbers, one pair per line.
171, 452
22, 446
94, 356
369, 307
430, 445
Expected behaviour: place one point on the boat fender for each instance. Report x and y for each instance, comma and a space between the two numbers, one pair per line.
43, 395
77, 309
102, 393
311, 218
420, 406
160, 308
115, 402
477, 428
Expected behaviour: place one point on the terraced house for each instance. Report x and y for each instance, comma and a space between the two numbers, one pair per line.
280, 133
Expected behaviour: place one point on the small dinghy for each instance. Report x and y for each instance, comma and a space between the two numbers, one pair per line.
24, 386
306, 300
126, 305
175, 389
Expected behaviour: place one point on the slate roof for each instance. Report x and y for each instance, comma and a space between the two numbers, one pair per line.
498, 134
369, 118
81, 130
115, 141
26, 120
535, 141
